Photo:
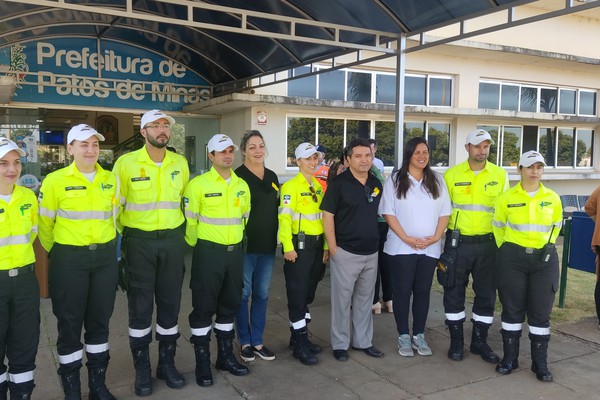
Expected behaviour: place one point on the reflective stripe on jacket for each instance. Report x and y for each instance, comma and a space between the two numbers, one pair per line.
298, 211
76, 212
18, 229
473, 196
151, 194
215, 210
527, 221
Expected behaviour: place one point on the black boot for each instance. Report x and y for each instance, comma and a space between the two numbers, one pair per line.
97, 385
510, 361
226, 360
539, 355
457, 342
19, 391
479, 344
143, 371
166, 365
71, 383
3, 390
203, 373
313, 347
302, 348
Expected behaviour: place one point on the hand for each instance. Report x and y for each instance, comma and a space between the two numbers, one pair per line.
326, 256
417, 243
290, 256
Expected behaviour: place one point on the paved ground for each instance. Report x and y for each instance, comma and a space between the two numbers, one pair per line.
574, 360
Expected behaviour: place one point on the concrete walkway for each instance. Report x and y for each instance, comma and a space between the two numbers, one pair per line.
574, 361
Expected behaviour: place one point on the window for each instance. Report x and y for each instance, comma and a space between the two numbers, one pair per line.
299, 130
415, 90
331, 85
303, 87
560, 146
438, 138
489, 95
385, 134
359, 86
567, 101
510, 98
440, 92
385, 89
587, 103
330, 133
528, 98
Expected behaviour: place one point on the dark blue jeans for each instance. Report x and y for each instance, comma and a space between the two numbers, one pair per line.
257, 279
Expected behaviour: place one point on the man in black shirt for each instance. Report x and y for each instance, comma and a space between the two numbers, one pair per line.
350, 222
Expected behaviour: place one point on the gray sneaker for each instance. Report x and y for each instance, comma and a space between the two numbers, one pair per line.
420, 345
404, 347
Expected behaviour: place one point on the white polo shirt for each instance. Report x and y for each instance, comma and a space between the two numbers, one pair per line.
418, 215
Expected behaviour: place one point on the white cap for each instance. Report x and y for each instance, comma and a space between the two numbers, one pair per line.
155, 115
7, 145
220, 142
531, 157
478, 136
83, 132
305, 150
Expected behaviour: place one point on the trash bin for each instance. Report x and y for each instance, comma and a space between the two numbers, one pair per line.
581, 256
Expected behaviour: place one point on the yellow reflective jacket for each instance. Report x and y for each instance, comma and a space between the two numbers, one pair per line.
18, 228
298, 211
473, 196
215, 210
76, 212
527, 221
151, 195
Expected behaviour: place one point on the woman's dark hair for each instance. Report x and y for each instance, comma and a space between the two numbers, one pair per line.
333, 171
402, 181
246, 137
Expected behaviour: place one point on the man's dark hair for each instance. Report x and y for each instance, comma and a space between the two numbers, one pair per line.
357, 142
372, 141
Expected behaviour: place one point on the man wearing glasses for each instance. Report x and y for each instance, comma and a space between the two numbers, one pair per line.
351, 228
152, 182
301, 235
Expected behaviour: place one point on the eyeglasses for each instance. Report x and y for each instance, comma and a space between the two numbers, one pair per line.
158, 126
313, 194
369, 193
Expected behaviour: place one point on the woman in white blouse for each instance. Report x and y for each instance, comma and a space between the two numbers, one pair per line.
416, 206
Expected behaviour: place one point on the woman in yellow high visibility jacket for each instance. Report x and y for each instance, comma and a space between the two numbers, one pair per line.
302, 237
19, 291
78, 206
526, 223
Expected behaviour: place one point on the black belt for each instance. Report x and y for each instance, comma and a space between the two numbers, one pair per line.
11, 273
158, 234
91, 247
224, 247
477, 238
521, 249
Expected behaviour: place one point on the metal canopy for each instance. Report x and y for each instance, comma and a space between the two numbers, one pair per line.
228, 42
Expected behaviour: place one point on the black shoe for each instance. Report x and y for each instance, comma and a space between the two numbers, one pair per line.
264, 353
457, 342
341, 355
226, 361
313, 347
247, 354
479, 345
370, 351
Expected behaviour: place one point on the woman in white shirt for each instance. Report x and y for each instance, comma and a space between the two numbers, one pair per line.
416, 206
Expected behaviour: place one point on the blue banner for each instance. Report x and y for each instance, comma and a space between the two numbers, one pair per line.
76, 72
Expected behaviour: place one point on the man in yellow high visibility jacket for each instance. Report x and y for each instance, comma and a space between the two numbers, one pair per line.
527, 221
217, 204
473, 187
19, 291
152, 184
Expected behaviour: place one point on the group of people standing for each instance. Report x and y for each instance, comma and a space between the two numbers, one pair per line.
502, 238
